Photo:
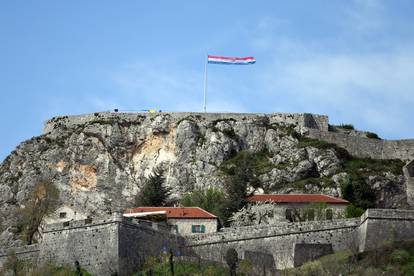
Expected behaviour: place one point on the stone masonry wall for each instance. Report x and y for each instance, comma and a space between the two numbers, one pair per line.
370, 231
366, 147
104, 247
278, 241
379, 226
409, 176
94, 245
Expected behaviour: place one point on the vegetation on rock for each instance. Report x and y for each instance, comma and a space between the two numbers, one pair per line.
43, 201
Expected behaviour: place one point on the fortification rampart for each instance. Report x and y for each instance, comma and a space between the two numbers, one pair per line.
318, 126
291, 244
103, 247
301, 119
368, 147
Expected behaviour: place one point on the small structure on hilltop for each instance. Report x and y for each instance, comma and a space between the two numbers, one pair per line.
186, 220
302, 207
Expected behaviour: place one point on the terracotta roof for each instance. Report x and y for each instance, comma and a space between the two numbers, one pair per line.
176, 212
297, 198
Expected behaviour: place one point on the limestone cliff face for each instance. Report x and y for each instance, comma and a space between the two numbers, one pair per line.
99, 161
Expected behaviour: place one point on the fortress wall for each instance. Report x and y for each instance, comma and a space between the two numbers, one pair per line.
104, 247
366, 147
279, 242
28, 252
379, 226
399, 149
294, 244
94, 245
136, 243
306, 120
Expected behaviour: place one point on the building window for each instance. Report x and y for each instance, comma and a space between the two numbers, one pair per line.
62, 215
329, 214
198, 229
289, 215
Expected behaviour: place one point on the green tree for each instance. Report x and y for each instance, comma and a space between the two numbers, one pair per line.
154, 192
210, 199
352, 211
232, 259
242, 172
43, 201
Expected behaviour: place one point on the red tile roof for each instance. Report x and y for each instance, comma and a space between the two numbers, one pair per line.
176, 212
297, 198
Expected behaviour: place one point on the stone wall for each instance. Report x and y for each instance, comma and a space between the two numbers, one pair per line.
379, 226
409, 176
102, 247
301, 119
94, 244
28, 252
278, 240
367, 232
366, 147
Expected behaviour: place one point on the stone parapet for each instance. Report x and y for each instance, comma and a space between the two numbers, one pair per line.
300, 119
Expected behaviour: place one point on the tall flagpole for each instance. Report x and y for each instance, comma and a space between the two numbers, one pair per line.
205, 86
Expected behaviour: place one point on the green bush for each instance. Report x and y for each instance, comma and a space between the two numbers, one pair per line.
210, 199
347, 126
341, 153
373, 135
400, 256
183, 268
360, 165
352, 211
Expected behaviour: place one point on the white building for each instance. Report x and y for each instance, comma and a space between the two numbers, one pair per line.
294, 207
187, 220
64, 214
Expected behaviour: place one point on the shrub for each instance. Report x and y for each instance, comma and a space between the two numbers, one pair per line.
43, 200
400, 256
352, 211
347, 126
341, 153
245, 268
373, 135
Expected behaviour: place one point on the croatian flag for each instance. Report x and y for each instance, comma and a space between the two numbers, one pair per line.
231, 60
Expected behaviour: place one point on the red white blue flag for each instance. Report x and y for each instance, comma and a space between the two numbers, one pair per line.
231, 60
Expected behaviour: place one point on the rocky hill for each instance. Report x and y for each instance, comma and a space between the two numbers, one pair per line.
98, 161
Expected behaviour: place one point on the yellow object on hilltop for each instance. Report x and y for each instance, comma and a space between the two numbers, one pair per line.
152, 111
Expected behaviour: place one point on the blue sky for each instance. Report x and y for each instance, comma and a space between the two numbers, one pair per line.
351, 60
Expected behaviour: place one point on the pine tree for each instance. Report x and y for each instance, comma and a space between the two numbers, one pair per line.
154, 192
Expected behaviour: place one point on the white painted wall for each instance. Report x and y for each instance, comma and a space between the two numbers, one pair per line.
185, 225
71, 214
